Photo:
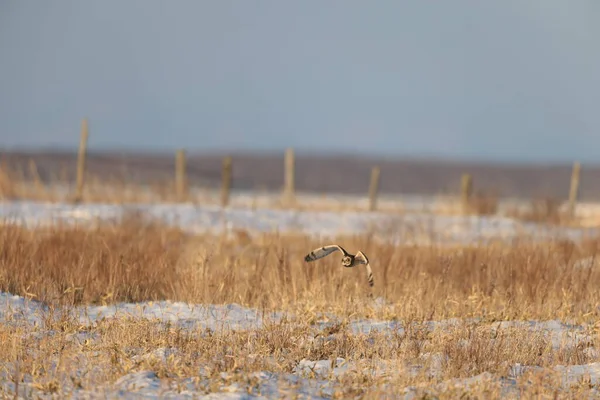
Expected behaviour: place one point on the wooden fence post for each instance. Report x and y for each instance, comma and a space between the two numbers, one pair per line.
81, 156
466, 190
35, 175
180, 178
226, 181
574, 189
290, 173
33, 172
7, 183
373, 188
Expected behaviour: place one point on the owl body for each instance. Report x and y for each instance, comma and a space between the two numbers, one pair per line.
348, 260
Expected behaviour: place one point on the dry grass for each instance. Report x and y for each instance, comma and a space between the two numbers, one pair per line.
136, 260
27, 185
216, 359
132, 261
545, 210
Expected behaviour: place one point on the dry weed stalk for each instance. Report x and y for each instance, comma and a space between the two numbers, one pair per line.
75, 358
136, 259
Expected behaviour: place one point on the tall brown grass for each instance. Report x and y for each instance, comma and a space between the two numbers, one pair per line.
137, 259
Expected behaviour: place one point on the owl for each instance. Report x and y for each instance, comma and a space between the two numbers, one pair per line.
348, 260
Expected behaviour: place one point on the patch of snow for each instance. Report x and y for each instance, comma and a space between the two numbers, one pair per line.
162, 354
570, 375
313, 378
559, 333
406, 228
587, 263
322, 368
17, 309
214, 317
417, 392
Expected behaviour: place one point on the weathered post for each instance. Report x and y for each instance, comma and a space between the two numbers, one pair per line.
180, 178
574, 189
81, 158
290, 173
226, 180
35, 176
373, 188
466, 190
7, 183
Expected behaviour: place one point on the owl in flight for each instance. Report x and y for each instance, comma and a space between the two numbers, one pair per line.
348, 260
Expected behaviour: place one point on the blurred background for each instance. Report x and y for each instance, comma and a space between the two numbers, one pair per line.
504, 91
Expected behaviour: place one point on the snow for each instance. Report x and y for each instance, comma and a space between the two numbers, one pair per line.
17, 309
310, 377
213, 317
411, 227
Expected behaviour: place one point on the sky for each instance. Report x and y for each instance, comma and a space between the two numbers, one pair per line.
510, 80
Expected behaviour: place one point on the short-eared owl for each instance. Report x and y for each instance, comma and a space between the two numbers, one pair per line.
348, 260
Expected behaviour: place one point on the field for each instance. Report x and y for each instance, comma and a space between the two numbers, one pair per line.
132, 292
195, 301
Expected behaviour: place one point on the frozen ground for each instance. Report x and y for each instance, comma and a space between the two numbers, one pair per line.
328, 201
312, 378
406, 228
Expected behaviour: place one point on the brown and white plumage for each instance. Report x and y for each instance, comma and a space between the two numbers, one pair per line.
348, 260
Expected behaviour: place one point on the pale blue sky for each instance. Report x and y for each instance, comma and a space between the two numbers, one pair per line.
501, 80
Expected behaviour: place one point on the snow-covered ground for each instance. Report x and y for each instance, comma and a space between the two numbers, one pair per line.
406, 228
330, 201
311, 378
314, 379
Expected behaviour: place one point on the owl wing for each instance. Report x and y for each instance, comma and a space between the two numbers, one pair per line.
323, 251
362, 259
